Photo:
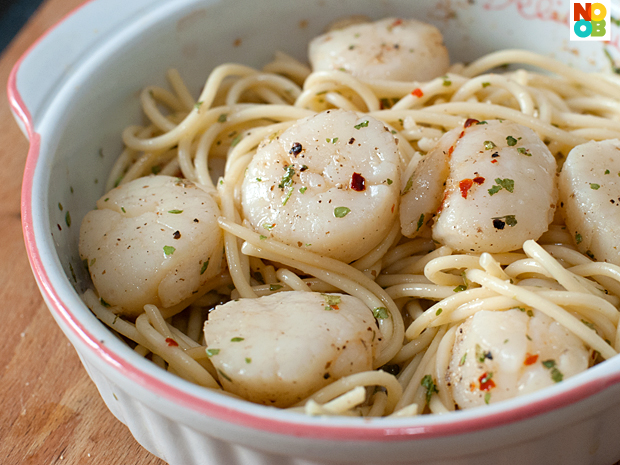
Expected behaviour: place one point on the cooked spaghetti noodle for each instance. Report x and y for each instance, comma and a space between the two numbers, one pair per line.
426, 289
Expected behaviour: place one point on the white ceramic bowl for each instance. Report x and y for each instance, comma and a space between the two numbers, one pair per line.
74, 91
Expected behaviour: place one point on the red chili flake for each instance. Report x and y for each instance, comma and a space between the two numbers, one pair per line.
469, 122
486, 383
417, 92
464, 186
450, 150
494, 160
479, 180
393, 205
461, 134
530, 359
171, 342
472, 387
358, 183
398, 22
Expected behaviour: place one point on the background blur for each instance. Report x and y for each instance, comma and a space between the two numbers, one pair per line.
13, 15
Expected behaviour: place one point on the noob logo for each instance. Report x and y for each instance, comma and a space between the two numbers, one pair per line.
590, 21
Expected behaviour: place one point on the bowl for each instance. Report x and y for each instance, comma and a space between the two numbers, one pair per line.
94, 64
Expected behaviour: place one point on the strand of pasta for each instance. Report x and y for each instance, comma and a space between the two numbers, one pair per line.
520, 93
193, 119
485, 111
179, 87
409, 393
238, 266
546, 306
340, 77
281, 84
447, 305
442, 360
149, 98
338, 406
414, 347
380, 250
175, 356
366, 378
287, 65
526, 57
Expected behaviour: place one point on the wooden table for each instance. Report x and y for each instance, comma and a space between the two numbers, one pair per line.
50, 411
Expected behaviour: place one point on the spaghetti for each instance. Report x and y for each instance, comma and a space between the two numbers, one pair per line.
427, 289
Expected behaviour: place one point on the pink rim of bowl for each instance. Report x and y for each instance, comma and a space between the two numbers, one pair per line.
396, 431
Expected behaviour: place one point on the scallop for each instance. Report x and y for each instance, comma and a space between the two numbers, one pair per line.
392, 48
328, 184
279, 349
154, 240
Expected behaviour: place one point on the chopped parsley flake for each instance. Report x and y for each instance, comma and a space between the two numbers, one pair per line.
275, 287
212, 352
606, 171
389, 181
333, 140
168, 250
428, 383
446, 82
488, 145
68, 219
302, 189
237, 339
198, 105
487, 398
463, 358
588, 324
420, 222
507, 184
409, 184
224, 375
248, 360
485, 84
341, 212
104, 303
524, 151
287, 179
438, 312
380, 313
123, 209
175, 212
460, 288
556, 375
235, 141
594, 186
262, 238
331, 300
222, 118
511, 141
363, 124
578, 238
204, 267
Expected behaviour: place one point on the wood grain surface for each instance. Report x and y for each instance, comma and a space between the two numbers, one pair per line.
50, 411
